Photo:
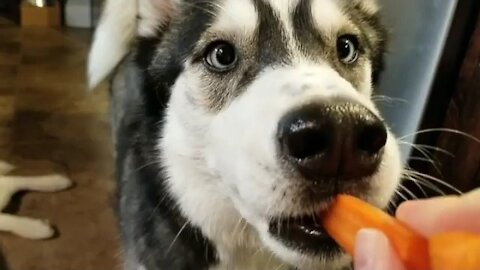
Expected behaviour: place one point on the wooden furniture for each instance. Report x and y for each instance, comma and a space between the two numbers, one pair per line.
455, 104
31, 15
10, 9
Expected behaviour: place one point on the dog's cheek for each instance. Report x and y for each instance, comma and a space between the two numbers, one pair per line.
243, 149
232, 146
232, 153
388, 177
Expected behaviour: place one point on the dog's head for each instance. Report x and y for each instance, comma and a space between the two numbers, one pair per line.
270, 116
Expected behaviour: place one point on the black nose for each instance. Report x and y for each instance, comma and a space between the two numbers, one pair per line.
341, 140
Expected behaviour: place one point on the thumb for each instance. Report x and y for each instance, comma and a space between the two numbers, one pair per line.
374, 252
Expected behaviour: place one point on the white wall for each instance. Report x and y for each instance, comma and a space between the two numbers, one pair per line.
418, 30
78, 13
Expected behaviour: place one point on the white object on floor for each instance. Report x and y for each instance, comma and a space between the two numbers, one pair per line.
9, 185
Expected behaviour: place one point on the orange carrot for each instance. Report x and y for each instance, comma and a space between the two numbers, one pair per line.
456, 250
348, 215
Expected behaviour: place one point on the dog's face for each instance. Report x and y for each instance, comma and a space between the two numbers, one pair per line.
270, 117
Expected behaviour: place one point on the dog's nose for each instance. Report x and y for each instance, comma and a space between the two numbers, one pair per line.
342, 140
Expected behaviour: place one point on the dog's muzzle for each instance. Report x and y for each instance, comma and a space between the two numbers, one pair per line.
340, 140
331, 147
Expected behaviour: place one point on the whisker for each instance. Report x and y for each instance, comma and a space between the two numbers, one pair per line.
176, 237
391, 205
259, 249
447, 130
280, 266
418, 182
387, 99
427, 184
439, 181
270, 260
147, 164
427, 155
401, 195
236, 228
421, 159
428, 147
415, 181
244, 227
411, 194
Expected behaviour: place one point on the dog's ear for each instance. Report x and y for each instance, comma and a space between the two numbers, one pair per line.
120, 23
152, 15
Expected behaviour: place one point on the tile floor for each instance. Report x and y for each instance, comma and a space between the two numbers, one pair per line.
49, 123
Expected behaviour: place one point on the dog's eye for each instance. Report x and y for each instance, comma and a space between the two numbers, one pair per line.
221, 56
347, 49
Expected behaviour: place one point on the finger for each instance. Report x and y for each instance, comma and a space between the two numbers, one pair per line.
374, 252
437, 215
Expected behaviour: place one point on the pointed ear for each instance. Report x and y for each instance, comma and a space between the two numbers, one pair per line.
121, 22
152, 15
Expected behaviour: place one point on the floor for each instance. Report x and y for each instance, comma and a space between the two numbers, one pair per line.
49, 123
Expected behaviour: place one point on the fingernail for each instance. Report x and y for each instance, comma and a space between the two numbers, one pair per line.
369, 245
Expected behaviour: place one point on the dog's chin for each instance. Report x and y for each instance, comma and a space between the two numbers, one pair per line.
304, 234
303, 243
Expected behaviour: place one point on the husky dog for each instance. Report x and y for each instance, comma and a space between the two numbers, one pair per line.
236, 122
9, 185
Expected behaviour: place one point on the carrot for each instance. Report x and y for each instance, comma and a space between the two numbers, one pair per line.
348, 215
456, 250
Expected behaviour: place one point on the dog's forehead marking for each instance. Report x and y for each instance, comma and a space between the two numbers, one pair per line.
236, 16
243, 17
328, 15
284, 10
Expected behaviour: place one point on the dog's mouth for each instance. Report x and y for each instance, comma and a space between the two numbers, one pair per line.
303, 233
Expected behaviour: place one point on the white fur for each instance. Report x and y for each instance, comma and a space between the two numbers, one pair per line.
284, 8
237, 16
328, 16
25, 227
202, 196
9, 185
117, 30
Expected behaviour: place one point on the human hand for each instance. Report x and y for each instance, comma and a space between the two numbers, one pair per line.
428, 217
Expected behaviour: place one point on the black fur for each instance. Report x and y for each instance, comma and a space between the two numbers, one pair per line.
270, 42
149, 219
305, 31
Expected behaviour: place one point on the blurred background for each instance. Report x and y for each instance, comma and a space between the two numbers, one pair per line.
49, 123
